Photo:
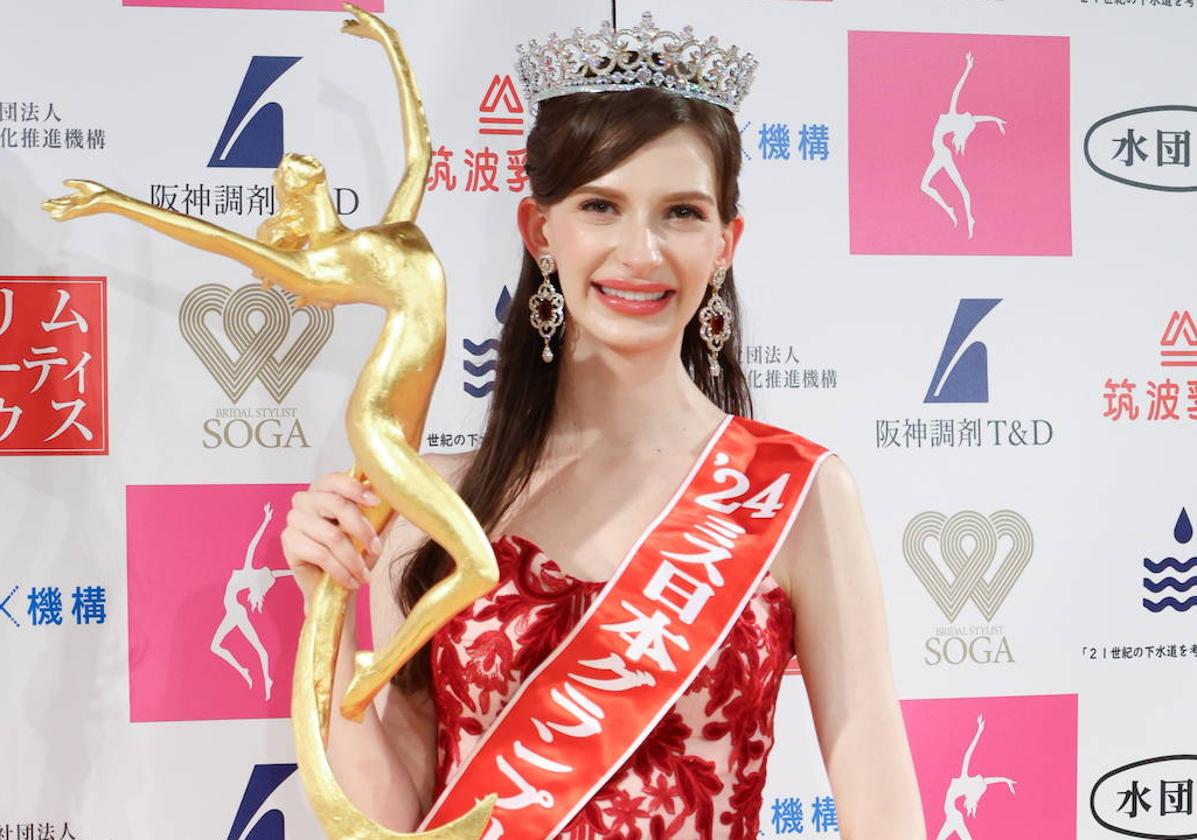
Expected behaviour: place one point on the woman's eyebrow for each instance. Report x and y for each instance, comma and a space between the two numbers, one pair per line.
616, 195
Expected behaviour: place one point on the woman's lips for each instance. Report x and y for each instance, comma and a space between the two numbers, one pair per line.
633, 307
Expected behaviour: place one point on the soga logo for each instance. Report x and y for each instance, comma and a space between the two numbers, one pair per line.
256, 322
968, 546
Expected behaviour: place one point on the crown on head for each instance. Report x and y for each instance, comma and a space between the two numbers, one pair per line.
627, 59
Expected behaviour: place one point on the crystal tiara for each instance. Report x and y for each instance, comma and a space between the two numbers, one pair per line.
627, 59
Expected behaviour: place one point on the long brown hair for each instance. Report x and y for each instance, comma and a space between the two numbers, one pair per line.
576, 139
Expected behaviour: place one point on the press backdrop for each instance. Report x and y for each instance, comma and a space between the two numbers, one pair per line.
1013, 382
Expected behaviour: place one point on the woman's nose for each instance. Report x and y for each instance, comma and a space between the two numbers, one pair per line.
639, 247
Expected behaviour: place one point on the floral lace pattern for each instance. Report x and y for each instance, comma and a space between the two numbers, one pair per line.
698, 774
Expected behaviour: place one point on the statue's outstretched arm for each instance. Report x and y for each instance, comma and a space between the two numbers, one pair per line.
303, 273
91, 198
417, 143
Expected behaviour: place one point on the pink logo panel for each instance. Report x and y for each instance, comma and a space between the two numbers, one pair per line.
301, 5
958, 144
996, 767
214, 614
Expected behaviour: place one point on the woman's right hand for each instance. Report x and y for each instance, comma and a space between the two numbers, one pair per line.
322, 522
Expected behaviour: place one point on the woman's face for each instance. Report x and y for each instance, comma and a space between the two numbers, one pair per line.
636, 248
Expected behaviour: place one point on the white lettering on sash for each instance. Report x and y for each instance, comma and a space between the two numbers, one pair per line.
765, 504
646, 635
494, 831
527, 795
538, 760
724, 534
692, 591
625, 678
584, 711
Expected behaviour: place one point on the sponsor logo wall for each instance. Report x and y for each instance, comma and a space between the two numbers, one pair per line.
969, 272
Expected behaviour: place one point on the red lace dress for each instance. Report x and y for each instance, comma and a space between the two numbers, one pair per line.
700, 772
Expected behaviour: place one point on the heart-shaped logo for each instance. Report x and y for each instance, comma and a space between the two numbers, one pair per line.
968, 543
257, 345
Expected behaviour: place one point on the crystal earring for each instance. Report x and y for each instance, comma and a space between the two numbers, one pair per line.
548, 306
716, 320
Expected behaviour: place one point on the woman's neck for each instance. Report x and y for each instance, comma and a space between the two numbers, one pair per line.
645, 402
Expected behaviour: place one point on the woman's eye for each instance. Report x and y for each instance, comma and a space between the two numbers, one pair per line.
687, 211
596, 204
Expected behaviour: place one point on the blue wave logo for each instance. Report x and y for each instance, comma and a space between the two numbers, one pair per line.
482, 359
254, 140
1182, 532
962, 374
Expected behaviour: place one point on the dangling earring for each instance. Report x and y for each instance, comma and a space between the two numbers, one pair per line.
548, 307
716, 320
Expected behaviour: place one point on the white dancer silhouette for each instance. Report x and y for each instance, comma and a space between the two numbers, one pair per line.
257, 582
971, 788
960, 126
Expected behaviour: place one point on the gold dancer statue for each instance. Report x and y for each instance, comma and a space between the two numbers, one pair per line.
306, 249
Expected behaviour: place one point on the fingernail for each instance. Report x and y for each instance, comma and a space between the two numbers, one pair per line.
371, 499
376, 546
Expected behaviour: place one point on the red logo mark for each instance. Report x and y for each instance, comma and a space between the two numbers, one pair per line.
501, 94
1180, 326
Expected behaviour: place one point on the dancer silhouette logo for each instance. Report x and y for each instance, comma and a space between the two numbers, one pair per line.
958, 144
254, 138
214, 615
968, 543
962, 372
256, 345
996, 767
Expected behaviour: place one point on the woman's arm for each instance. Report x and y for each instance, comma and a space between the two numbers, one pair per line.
843, 647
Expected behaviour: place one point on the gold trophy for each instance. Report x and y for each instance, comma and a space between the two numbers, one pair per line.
306, 249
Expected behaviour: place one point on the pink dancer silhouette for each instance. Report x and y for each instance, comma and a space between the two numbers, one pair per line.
960, 126
257, 582
971, 788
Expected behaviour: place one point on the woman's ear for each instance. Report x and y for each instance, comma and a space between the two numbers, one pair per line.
532, 222
731, 240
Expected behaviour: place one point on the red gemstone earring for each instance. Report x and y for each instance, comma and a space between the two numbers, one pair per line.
548, 306
716, 320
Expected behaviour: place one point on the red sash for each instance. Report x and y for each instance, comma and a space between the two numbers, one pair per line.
579, 716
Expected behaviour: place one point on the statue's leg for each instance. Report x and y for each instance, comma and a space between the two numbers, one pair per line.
418, 493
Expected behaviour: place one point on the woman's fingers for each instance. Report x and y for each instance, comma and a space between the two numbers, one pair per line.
305, 555
322, 525
346, 485
350, 518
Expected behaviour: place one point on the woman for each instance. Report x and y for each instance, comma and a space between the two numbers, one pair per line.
604, 399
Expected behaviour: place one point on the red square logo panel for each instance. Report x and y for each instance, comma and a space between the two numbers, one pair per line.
53, 366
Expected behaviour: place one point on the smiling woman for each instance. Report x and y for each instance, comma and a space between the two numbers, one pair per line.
661, 555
